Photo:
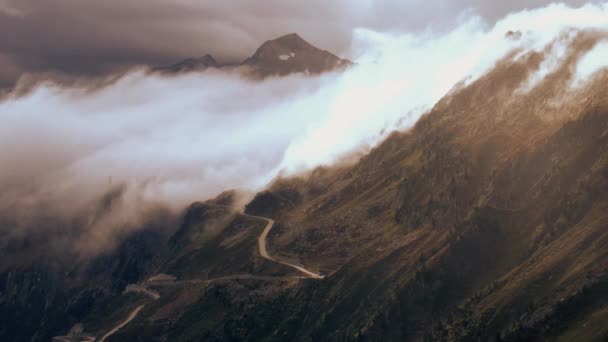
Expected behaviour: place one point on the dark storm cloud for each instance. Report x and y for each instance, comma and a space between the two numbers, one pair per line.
92, 37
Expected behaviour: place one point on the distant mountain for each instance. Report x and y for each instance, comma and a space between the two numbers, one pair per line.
282, 56
191, 64
292, 54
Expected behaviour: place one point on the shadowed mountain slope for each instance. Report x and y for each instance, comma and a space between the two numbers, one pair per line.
484, 222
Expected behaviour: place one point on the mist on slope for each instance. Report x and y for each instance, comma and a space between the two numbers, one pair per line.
147, 141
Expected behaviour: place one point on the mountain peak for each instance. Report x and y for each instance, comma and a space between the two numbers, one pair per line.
291, 39
191, 64
281, 56
284, 45
290, 53
292, 35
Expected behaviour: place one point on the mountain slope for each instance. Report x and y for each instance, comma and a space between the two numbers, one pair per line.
491, 207
486, 221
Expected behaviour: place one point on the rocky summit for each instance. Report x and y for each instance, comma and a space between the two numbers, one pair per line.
292, 54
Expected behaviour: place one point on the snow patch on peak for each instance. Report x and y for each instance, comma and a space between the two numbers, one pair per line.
286, 57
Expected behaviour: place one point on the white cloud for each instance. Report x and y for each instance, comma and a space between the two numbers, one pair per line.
593, 62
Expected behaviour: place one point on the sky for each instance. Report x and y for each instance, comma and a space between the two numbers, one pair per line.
91, 37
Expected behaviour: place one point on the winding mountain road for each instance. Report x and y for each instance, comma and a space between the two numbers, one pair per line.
143, 287
264, 251
118, 327
262, 243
